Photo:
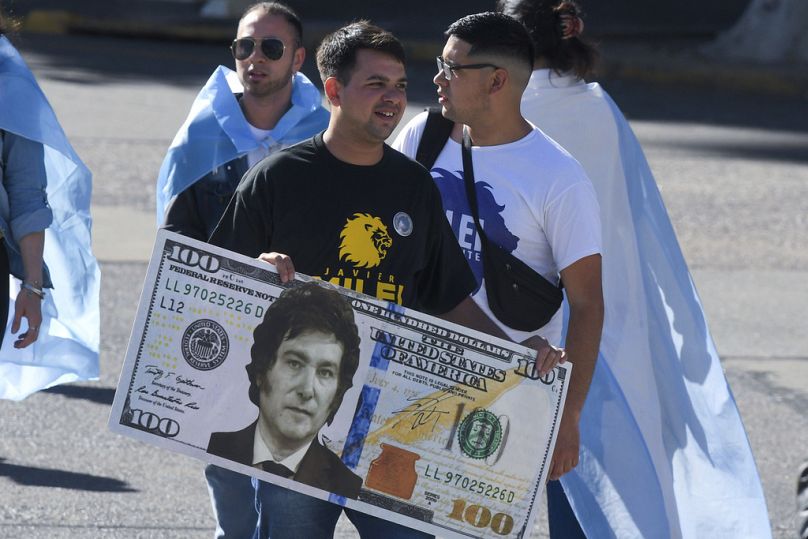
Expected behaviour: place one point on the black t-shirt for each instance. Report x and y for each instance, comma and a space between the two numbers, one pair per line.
376, 229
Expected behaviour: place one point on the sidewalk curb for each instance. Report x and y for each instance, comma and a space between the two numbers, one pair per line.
63, 22
744, 78
686, 62
636, 61
48, 22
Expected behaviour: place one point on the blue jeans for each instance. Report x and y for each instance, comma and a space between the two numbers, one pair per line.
233, 498
285, 514
562, 520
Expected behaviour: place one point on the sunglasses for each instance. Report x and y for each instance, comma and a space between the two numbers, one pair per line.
449, 70
271, 47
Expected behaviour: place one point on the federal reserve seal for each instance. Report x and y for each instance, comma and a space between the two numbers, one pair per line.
205, 345
479, 434
402, 223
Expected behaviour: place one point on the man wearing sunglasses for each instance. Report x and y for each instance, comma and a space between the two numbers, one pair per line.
238, 119
534, 198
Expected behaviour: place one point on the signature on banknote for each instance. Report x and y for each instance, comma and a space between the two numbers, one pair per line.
157, 394
424, 410
190, 382
157, 372
161, 374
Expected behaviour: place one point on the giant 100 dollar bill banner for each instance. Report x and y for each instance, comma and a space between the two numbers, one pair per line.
451, 431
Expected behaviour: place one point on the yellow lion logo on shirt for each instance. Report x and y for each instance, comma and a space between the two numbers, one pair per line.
365, 241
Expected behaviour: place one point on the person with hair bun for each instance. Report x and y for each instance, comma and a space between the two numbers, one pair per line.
659, 417
556, 29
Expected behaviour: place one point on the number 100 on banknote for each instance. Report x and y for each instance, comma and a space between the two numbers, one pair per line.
337, 395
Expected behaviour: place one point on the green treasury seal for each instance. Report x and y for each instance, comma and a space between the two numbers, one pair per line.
480, 434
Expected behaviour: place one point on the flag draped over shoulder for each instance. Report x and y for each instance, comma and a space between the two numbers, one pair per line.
216, 132
67, 347
663, 449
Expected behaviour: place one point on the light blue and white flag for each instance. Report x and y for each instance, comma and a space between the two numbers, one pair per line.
67, 347
216, 132
664, 453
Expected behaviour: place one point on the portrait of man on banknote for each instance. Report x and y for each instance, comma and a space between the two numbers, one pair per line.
304, 355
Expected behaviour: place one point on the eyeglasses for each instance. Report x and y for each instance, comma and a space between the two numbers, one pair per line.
272, 47
449, 70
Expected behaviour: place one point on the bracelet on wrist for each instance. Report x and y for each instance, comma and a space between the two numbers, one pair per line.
33, 290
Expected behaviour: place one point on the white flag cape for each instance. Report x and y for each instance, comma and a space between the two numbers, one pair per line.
67, 347
216, 132
663, 449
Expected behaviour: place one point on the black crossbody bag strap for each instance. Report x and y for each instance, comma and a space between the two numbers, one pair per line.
471, 193
436, 133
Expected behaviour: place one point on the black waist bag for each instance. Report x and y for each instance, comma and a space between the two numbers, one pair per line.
517, 295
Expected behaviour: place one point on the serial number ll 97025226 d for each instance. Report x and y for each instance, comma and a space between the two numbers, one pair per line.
215, 298
461, 481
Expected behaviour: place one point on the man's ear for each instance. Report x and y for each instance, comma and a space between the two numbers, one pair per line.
299, 58
332, 88
498, 81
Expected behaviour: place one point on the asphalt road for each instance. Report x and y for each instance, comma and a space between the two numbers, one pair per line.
733, 170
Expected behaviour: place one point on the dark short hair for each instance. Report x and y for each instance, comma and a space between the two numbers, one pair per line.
543, 18
305, 308
281, 10
336, 55
494, 33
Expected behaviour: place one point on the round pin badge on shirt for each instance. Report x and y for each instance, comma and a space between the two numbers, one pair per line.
402, 223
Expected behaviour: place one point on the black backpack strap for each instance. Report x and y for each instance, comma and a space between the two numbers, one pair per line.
436, 133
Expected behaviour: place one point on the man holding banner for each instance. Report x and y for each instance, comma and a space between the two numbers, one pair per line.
352, 211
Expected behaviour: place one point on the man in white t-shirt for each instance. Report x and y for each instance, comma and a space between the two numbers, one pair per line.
534, 199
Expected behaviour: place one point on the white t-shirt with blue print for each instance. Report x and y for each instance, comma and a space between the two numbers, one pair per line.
534, 200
